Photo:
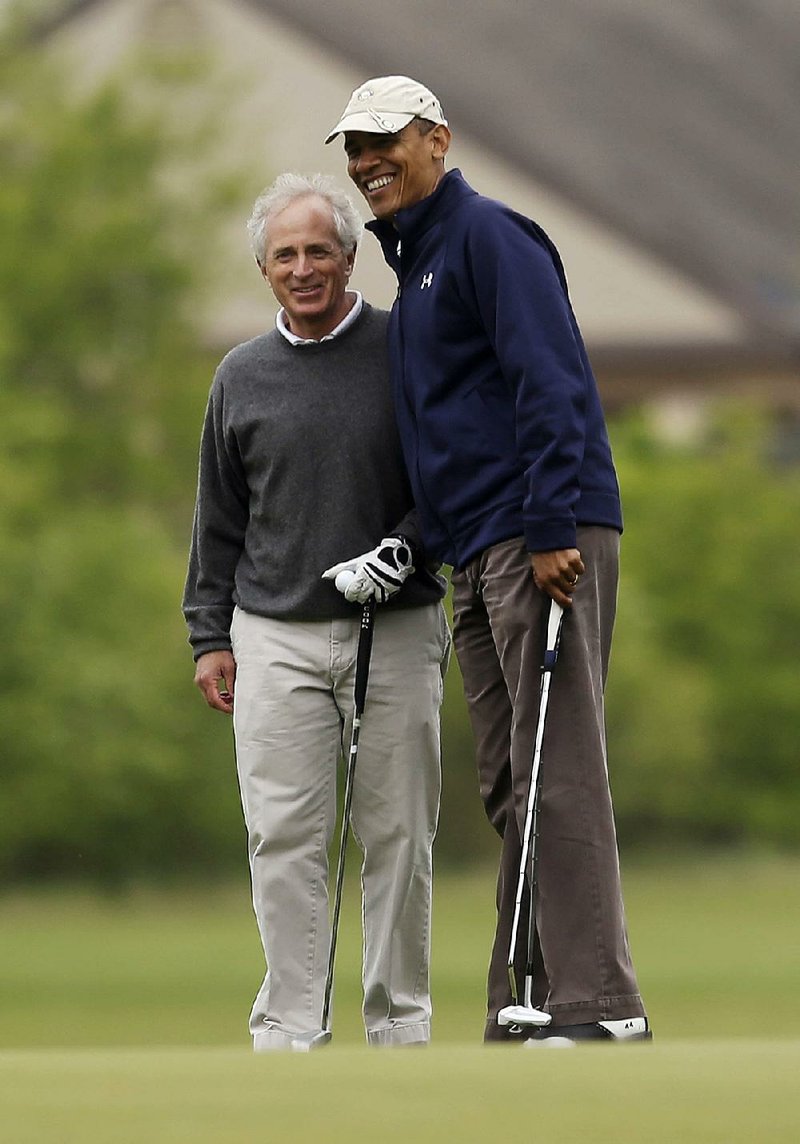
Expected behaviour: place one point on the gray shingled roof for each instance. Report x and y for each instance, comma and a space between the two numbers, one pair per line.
676, 124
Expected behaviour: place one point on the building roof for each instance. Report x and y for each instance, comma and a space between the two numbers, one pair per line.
675, 126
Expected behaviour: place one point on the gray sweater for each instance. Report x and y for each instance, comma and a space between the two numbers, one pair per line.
300, 468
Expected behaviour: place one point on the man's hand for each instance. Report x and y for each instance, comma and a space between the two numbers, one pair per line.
215, 676
556, 573
379, 573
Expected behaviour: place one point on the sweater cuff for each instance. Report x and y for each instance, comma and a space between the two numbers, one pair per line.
409, 530
202, 647
550, 535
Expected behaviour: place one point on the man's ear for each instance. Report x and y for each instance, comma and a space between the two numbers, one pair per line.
440, 138
350, 260
263, 270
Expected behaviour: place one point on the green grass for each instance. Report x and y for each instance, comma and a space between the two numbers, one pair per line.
724, 1091
125, 1020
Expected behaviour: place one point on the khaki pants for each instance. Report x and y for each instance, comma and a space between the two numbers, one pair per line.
292, 720
584, 971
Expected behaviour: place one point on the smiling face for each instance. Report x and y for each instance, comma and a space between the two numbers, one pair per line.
307, 268
396, 171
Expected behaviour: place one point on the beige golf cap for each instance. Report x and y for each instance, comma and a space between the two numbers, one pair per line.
387, 104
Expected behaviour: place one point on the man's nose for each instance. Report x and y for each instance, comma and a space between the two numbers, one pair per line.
365, 160
302, 265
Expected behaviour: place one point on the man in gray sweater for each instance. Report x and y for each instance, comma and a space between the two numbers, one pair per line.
300, 466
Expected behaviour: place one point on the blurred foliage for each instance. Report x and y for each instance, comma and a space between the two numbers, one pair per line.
704, 691
112, 767
107, 234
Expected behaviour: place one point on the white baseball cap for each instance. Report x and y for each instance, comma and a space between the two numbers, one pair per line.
387, 104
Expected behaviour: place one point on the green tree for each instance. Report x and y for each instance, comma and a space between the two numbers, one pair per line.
108, 767
704, 695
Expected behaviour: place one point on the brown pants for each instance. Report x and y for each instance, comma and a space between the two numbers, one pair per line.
583, 969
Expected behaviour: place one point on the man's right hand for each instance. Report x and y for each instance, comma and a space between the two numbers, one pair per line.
557, 573
215, 675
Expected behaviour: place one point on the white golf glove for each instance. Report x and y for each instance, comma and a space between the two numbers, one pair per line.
379, 573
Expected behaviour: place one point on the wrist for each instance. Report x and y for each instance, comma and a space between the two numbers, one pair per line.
404, 539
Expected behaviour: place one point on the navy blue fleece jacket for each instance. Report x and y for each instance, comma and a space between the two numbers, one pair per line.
497, 406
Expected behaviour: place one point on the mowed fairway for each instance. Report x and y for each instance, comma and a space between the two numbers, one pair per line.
124, 1020
675, 1092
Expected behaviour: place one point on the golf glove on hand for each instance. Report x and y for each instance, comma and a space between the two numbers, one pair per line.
379, 573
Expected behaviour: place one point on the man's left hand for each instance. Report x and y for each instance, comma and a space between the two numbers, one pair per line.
379, 573
556, 573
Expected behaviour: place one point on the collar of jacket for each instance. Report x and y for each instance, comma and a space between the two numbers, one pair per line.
415, 220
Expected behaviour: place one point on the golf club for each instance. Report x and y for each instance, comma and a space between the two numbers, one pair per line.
308, 1041
526, 1015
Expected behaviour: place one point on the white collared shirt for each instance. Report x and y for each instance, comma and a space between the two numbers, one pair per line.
346, 321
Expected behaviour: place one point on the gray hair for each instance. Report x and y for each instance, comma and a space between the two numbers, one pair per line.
286, 189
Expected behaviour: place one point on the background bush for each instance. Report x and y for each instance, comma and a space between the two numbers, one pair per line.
704, 698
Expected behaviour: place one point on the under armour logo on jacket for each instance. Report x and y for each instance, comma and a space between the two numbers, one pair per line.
427, 279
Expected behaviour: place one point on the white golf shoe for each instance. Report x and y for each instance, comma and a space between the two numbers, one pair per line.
565, 1036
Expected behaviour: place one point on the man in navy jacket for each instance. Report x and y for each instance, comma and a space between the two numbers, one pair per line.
508, 454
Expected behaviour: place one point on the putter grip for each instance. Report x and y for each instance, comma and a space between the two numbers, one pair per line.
555, 616
363, 655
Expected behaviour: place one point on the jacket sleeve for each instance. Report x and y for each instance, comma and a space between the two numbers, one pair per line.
218, 532
518, 288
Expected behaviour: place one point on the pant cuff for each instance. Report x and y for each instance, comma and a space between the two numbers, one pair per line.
271, 1040
417, 1034
493, 1032
603, 1009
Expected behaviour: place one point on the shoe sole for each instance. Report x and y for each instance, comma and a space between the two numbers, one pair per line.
556, 1042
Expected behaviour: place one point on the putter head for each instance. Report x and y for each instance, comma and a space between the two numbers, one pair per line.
523, 1017
307, 1042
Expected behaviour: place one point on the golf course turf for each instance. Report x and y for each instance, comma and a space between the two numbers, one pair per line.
124, 1020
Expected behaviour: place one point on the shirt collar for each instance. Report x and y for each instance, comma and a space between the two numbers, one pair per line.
345, 323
